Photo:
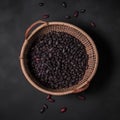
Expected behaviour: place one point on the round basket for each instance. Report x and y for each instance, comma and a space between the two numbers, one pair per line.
45, 27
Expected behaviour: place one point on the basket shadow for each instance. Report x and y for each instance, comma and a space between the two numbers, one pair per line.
106, 62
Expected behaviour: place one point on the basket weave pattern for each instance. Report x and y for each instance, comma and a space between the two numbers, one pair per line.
74, 31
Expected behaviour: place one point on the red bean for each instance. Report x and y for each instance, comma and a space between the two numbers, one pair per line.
81, 97
49, 97
51, 100
63, 109
45, 16
76, 13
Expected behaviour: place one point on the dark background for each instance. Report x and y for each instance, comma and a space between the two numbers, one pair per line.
20, 101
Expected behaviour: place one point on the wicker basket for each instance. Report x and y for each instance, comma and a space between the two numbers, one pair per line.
45, 27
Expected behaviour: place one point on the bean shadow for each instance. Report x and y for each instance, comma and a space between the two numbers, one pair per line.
106, 61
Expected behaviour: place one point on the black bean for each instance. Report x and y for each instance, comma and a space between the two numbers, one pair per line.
82, 10
41, 4
42, 110
50, 55
67, 17
45, 106
64, 4
92, 24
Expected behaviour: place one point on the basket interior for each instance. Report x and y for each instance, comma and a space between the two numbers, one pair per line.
74, 32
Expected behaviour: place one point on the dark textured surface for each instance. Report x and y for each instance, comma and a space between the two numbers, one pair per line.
20, 101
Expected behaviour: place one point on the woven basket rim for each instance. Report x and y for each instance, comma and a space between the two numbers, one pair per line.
45, 90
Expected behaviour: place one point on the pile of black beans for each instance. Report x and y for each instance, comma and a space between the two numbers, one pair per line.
57, 60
